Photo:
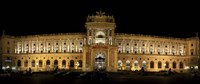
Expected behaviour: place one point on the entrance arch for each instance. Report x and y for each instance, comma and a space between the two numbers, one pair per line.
100, 62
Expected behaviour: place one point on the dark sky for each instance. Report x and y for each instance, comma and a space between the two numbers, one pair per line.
174, 19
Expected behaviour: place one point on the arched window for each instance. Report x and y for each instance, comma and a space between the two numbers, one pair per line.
64, 63
55, 63
144, 64
159, 64
19, 63
48, 62
181, 65
174, 64
167, 65
40, 63
151, 64
80, 63
100, 36
33, 63
71, 63
136, 64
128, 63
119, 64
26, 63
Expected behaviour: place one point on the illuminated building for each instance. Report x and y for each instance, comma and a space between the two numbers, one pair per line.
100, 48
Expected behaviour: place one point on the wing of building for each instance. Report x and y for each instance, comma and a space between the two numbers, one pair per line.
100, 48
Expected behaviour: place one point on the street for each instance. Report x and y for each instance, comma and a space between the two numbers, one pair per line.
114, 78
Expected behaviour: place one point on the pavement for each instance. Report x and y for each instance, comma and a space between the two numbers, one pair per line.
114, 78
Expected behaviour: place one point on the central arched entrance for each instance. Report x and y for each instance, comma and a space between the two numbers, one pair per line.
100, 62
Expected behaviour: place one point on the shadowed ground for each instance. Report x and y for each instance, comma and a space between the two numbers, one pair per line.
114, 78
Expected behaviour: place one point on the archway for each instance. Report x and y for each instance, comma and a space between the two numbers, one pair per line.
18, 63
71, 63
120, 65
100, 37
48, 65
128, 65
136, 65
55, 63
100, 62
144, 64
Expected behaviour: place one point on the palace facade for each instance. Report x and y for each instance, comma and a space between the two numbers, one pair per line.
100, 48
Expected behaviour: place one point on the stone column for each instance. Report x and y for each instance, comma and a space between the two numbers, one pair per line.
59, 45
36, 46
115, 60
108, 67
68, 44
15, 48
22, 47
91, 66
29, 46
44, 46
84, 59
52, 45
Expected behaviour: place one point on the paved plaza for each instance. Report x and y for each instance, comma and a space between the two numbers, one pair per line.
114, 78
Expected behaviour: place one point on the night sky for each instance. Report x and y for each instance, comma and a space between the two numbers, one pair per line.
131, 17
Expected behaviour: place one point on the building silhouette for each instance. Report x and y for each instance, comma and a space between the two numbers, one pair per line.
100, 48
